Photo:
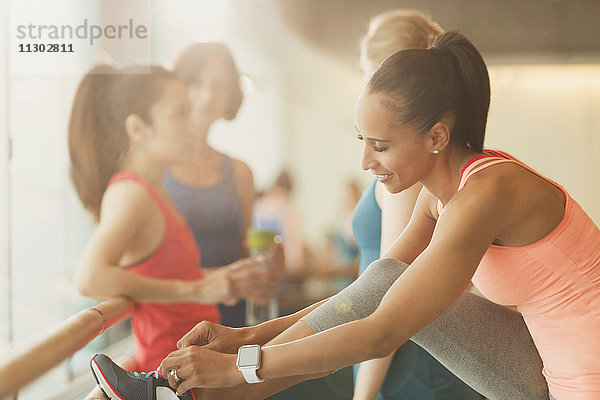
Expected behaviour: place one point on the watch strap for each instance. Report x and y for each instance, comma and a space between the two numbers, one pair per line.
250, 375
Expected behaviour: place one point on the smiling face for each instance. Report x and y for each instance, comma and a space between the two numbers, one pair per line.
398, 156
210, 92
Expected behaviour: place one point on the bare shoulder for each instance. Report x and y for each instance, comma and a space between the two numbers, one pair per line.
500, 184
525, 206
494, 197
126, 202
244, 180
244, 184
241, 170
494, 186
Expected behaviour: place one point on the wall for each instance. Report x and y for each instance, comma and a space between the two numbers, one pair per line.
547, 115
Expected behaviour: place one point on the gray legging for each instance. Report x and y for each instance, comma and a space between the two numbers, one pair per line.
484, 344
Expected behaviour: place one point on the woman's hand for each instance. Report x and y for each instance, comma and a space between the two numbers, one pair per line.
276, 255
252, 278
200, 367
215, 287
216, 337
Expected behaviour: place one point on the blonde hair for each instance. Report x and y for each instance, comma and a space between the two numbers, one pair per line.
396, 30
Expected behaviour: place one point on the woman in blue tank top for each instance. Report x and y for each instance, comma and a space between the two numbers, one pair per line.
214, 192
410, 372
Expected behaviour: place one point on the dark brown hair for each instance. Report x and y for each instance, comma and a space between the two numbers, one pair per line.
97, 138
421, 85
193, 58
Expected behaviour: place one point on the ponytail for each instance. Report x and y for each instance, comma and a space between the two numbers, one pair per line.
469, 69
88, 134
421, 86
98, 142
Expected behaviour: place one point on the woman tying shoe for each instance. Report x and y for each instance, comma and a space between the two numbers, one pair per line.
482, 215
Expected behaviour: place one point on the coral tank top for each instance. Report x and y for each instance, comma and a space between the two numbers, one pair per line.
555, 284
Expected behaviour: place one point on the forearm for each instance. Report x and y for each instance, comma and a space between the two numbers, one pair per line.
370, 377
254, 391
350, 308
104, 283
267, 331
271, 386
324, 352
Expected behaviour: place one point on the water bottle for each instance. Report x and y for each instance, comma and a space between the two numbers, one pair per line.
259, 242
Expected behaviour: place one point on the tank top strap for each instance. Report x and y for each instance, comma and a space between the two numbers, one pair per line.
128, 175
479, 165
503, 156
467, 171
493, 157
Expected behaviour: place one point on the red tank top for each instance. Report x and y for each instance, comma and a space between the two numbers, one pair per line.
158, 327
555, 284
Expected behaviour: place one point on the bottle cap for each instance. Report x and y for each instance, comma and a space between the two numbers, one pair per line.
258, 239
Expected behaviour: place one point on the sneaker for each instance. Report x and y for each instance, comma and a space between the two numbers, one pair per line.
116, 383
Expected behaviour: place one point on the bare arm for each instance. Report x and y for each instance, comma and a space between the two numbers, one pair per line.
276, 329
269, 387
370, 377
463, 234
228, 340
322, 318
280, 330
126, 206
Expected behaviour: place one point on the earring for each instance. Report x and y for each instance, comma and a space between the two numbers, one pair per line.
436, 151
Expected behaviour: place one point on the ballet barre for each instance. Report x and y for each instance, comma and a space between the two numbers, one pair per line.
25, 364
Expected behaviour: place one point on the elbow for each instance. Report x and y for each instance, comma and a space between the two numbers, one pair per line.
381, 344
84, 284
83, 287
380, 349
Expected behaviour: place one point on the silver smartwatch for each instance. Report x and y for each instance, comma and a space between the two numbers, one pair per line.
248, 362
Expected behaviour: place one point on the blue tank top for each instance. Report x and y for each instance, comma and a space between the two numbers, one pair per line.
413, 373
214, 214
366, 227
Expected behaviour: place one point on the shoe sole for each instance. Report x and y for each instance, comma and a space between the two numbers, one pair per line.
103, 383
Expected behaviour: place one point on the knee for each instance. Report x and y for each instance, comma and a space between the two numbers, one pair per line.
387, 267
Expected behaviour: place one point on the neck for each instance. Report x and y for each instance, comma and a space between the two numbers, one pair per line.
147, 169
200, 151
444, 179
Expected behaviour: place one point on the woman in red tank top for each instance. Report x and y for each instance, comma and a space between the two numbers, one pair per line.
127, 128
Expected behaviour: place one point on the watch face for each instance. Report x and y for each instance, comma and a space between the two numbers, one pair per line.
248, 356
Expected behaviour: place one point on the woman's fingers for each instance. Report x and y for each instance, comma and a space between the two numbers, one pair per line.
184, 372
200, 335
174, 383
173, 361
277, 255
197, 367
